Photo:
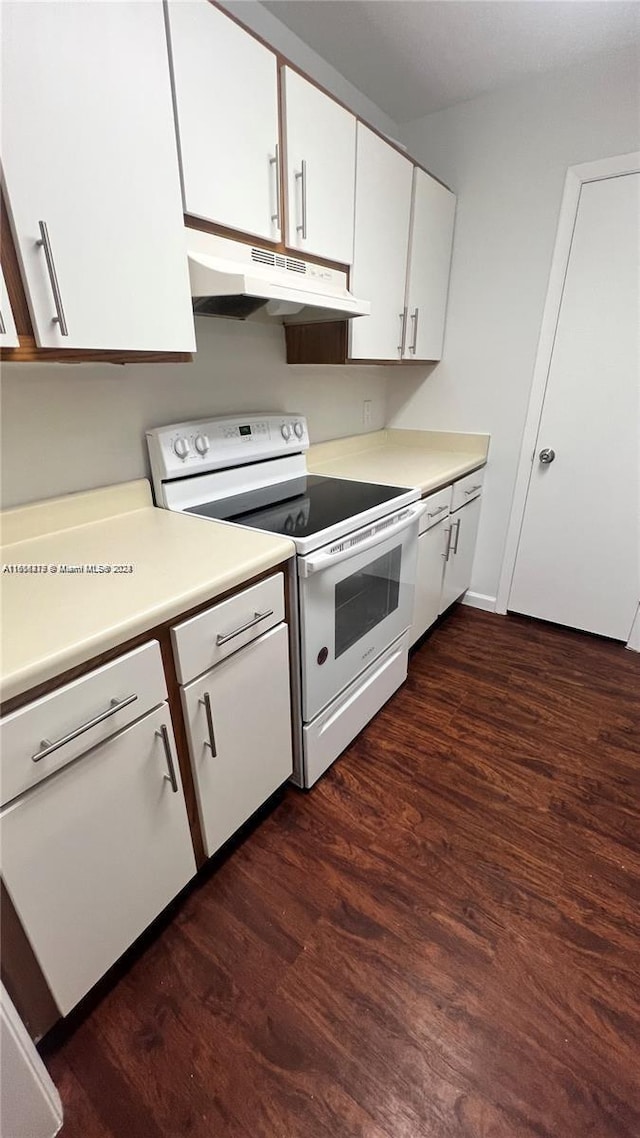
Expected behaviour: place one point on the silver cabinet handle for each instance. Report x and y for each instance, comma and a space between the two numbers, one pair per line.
472, 489
45, 242
457, 528
275, 217
257, 617
206, 703
171, 774
414, 342
3, 327
448, 548
547, 456
301, 176
403, 330
440, 510
48, 748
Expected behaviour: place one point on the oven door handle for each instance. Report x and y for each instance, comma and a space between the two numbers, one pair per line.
316, 562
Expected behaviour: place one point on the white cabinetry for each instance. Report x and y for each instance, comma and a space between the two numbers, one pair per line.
383, 214
91, 175
461, 545
429, 264
8, 334
403, 239
92, 854
226, 101
432, 544
320, 170
238, 714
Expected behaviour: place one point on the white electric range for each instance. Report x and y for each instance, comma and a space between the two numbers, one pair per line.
356, 543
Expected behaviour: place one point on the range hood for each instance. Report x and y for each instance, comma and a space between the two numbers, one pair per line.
230, 278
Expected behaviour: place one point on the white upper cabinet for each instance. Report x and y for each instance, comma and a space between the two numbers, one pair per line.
383, 211
91, 175
320, 170
226, 100
8, 334
432, 218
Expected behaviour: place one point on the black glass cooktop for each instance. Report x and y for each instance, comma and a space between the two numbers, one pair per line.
299, 507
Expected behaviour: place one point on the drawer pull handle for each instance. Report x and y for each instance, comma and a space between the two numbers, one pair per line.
440, 510
47, 748
472, 489
211, 744
171, 775
256, 618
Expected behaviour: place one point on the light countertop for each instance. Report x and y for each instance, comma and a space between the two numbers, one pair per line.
425, 459
52, 621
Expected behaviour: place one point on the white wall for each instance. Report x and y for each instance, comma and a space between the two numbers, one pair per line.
69, 427
252, 14
506, 156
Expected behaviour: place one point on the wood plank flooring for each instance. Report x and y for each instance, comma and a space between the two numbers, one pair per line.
441, 940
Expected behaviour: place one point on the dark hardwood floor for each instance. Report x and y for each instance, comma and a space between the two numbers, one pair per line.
441, 940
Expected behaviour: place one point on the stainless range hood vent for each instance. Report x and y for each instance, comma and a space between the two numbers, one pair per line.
234, 279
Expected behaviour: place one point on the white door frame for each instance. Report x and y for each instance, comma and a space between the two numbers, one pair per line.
576, 177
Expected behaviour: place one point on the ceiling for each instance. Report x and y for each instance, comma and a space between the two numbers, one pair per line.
412, 57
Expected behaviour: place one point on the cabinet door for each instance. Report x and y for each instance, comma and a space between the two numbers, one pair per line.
430, 245
8, 334
429, 574
383, 209
88, 149
462, 546
226, 99
239, 729
93, 854
321, 170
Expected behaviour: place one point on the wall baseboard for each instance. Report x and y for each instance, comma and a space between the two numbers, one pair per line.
479, 601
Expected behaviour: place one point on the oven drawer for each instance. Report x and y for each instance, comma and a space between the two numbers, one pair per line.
76, 717
436, 508
466, 489
332, 731
202, 641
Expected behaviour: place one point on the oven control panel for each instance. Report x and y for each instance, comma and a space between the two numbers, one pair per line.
182, 449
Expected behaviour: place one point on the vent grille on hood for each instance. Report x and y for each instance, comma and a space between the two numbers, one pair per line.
266, 257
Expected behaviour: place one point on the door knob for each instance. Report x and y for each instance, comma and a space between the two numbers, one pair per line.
547, 455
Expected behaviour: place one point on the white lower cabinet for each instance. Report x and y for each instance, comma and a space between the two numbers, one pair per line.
462, 531
238, 718
429, 574
92, 855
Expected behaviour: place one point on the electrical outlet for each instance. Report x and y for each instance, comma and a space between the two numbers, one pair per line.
366, 412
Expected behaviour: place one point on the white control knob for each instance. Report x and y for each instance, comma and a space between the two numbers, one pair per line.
286, 431
181, 446
201, 444
299, 429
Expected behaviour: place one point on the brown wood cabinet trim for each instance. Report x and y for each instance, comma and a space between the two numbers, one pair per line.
260, 242
328, 343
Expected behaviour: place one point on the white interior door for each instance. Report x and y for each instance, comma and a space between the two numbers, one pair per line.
577, 561
226, 96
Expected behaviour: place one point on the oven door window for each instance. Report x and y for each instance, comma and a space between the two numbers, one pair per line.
366, 598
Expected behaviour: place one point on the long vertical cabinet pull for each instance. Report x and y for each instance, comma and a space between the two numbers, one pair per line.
275, 217
45, 242
403, 331
414, 342
457, 527
171, 775
211, 744
447, 550
3, 327
301, 176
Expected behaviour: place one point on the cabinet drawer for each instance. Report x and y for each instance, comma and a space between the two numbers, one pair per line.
74, 718
466, 489
201, 642
436, 508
